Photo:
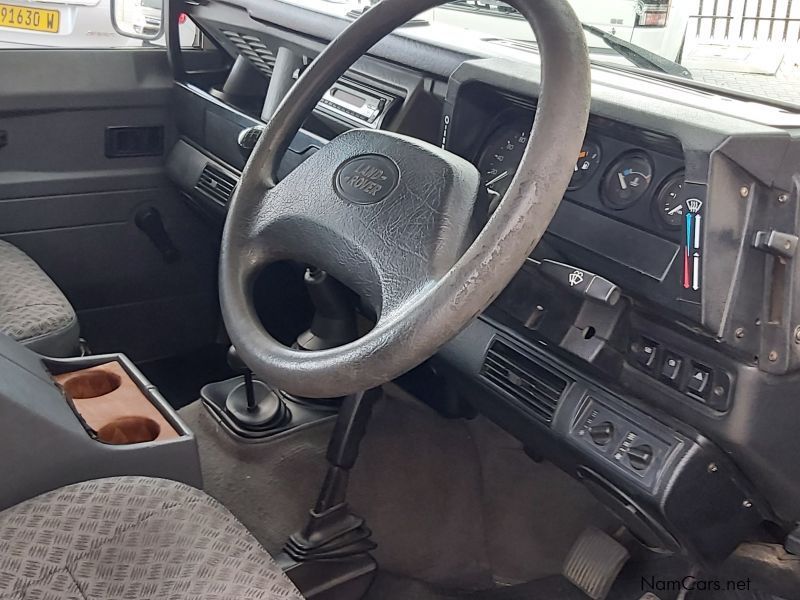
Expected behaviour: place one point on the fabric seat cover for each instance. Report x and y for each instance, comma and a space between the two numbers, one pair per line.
132, 538
33, 310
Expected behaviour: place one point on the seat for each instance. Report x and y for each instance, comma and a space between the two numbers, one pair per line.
33, 310
127, 538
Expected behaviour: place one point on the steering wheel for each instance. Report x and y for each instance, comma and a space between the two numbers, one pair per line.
395, 219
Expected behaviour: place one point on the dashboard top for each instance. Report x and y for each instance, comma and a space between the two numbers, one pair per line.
411, 47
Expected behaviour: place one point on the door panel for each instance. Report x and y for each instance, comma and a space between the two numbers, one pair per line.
73, 209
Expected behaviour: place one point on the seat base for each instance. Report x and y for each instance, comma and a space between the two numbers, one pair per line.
133, 537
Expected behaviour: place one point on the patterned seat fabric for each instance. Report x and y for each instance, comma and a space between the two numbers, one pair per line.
132, 538
33, 310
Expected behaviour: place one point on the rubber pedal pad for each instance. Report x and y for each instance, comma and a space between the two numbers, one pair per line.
594, 562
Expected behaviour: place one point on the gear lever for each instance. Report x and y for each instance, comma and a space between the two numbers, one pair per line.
252, 404
334, 322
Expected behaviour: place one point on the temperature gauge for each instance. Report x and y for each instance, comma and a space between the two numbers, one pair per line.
669, 201
627, 180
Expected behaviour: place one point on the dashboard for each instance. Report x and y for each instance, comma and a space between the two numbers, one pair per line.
628, 211
674, 209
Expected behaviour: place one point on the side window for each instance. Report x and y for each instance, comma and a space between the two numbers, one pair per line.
86, 24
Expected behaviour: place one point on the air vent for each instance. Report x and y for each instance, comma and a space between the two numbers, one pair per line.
535, 386
252, 48
216, 185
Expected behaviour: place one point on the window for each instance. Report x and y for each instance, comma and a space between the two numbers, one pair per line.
84, 24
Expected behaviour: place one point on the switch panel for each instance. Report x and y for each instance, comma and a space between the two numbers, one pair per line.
694, 379
639, 448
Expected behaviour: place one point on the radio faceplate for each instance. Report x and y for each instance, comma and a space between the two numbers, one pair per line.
356, 104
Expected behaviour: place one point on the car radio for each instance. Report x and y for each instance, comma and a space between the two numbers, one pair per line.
356, 104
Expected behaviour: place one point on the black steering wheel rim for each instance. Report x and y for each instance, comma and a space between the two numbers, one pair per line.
461, 280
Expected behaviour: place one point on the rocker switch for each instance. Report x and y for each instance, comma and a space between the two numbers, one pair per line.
699, 380
646, 352
671, 369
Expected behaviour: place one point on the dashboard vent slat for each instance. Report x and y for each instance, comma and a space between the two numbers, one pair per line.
524, 380
254, 49
215, 184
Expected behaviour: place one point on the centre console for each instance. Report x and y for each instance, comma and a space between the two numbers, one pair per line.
71, 420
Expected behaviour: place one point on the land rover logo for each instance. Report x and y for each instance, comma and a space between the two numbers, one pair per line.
366, 179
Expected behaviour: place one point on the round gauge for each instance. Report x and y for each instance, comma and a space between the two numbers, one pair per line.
501, 156
586, 165
669, 201
627, 180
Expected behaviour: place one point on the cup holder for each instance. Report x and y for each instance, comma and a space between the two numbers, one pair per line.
114, 406
91, 384
129, 430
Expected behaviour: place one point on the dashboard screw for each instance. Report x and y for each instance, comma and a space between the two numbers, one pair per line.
773, 356
739, 332
713, 468
744, 191
747, 504
782, 198
719, 391
797, 335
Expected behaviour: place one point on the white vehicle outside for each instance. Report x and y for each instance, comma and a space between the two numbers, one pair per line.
69, 24
151, 14
655, 25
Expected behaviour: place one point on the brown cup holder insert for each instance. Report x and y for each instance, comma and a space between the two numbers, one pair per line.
91, 384
113, 406
129, 430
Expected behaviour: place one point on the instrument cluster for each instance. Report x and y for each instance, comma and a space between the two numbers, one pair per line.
630, 183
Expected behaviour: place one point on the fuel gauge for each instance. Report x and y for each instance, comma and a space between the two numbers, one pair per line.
586, 165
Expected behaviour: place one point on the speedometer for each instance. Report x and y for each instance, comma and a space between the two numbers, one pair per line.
503, 152
501, 156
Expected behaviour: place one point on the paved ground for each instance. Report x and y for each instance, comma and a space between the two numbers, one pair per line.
784, 85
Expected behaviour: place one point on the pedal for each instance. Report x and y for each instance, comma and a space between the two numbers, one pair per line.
594, 562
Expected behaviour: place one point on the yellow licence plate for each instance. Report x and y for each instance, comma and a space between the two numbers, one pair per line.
33, 19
